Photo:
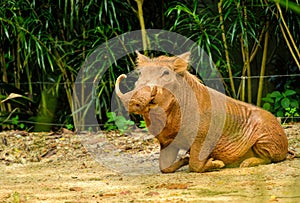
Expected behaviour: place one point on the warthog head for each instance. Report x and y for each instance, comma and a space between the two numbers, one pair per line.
154, 95
158, 78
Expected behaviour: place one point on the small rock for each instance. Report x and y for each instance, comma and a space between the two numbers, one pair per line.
76, 189
126, 192
173, 186
109, 194
66, 131
152, 193
273, 199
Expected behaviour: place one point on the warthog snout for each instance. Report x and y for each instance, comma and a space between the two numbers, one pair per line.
138, 100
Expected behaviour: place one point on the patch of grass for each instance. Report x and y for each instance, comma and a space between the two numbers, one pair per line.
202, 192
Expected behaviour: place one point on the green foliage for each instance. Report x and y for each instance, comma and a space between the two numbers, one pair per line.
289, 5
115, 122
291, 113
198, 23
70, 126
143, 125
15, 121
245, 24
16, 197
44, 43
282, 104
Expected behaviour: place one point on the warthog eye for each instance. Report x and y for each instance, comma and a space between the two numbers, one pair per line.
166, 72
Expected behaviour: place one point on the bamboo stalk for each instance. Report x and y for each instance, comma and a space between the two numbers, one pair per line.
289, 46
287, 30
249, 84
3, 65
246, 60
68, 82
4, 107
256, 46
254, 51
18, 65
247, 57
243, 88
142, 24
226, 49
263, 65
289, 34
28, 74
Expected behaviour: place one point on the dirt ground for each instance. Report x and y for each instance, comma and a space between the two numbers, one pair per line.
55, 167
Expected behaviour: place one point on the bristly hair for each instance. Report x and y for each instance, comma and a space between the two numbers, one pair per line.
157, 61
191, 79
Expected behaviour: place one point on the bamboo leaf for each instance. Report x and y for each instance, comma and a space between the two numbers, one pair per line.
11, 96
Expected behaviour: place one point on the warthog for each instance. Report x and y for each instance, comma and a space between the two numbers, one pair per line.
214, 129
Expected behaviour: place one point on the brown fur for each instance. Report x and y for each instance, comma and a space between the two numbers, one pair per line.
179, 111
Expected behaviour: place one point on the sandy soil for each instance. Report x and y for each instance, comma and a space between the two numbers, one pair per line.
56, 168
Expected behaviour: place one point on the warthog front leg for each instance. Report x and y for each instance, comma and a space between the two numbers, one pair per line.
207, 164
176, 165
167, 159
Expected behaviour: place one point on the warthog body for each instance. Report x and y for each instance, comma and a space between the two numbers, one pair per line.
214, 129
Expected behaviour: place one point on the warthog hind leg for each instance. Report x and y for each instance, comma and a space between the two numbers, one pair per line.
269, 148
254, 161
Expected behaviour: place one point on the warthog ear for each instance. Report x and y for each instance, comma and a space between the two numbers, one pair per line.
181, 62
141, 58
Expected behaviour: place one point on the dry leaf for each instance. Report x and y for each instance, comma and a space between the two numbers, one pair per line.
173, 186
11, 96
152, 193
76, 189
